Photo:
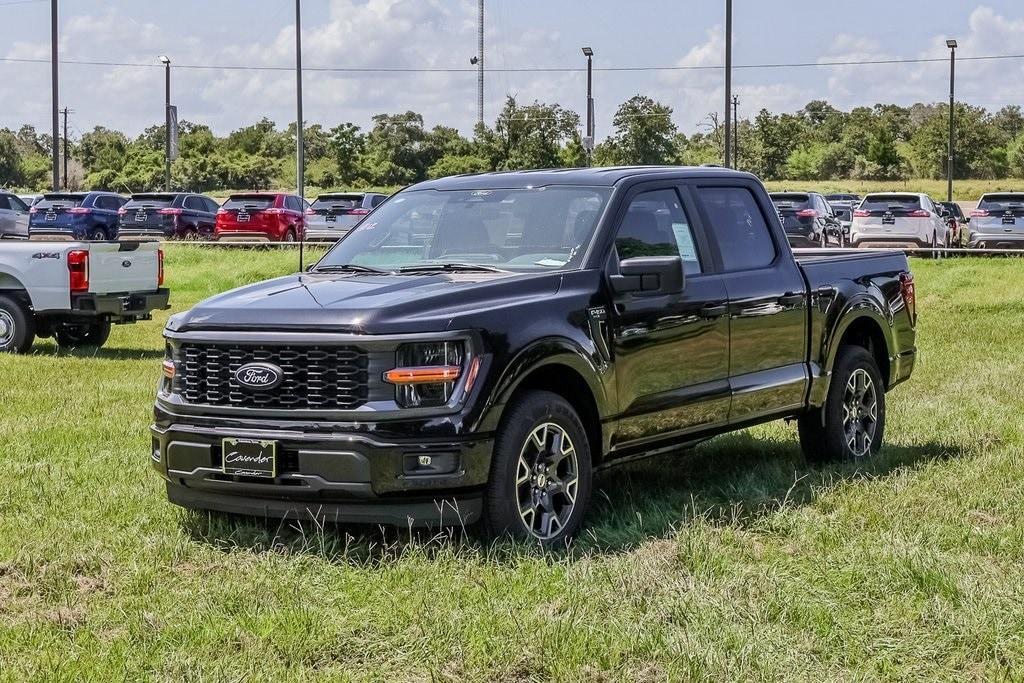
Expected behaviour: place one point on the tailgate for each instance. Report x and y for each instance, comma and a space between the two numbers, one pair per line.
126, 267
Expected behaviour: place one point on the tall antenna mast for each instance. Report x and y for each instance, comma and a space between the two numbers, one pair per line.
480, 67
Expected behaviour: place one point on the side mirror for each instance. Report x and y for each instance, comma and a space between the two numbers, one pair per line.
649, 275
944, 212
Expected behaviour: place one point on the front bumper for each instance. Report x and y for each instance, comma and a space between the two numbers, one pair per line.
126, 307
328, 475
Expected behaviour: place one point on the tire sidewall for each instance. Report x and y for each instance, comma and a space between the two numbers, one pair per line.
24, 327
850, 359
501, 508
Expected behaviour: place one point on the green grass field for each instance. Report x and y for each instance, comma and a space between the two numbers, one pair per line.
737, 561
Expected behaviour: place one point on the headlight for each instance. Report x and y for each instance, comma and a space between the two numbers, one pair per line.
426, 374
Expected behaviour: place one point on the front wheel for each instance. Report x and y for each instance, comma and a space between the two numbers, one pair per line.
17, 326
851, 424
541, 474
88, 334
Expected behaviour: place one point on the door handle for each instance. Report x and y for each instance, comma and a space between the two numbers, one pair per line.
791, 298
713, 311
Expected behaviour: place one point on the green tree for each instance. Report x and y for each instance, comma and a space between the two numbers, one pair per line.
457, 165
10, 159
644, 134
530, 136
102, 149
393, 149
347, 144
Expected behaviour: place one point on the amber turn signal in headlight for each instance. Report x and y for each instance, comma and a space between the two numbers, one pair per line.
423, 375
169, 369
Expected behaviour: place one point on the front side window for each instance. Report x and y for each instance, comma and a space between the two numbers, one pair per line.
655, 224
738, 226
529, 229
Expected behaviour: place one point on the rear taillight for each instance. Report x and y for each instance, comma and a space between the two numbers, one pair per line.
273, 212
170, 212
310, 212
222, 212
979, 213
919, 213
33, 209
909, 294
122, 211
359, 212
159, 267
861, 213
79, 210
807, 213
78, 271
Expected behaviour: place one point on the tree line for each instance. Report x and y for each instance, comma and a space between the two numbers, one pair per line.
819, 141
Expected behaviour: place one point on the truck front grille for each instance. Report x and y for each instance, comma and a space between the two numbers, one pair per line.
314, 377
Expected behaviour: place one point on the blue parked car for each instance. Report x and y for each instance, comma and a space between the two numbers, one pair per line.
78, 215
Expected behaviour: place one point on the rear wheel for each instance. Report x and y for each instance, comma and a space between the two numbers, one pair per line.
17, 326
191, 235
86, 334
289, 236
97, 235
851, 424
823, 240
540, 479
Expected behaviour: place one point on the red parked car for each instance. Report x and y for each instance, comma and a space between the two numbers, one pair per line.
271, 216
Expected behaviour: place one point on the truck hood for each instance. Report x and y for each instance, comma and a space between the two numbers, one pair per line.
366, 303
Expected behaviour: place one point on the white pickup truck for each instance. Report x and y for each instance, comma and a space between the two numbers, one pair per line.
74, 291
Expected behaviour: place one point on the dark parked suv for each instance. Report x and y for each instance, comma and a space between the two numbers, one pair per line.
478, 348
76, 215
168, 215
808, 220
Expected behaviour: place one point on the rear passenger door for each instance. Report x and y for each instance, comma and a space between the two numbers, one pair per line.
767, 300
670, 350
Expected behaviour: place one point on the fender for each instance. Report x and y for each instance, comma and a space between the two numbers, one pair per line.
543, 352
10, 283
861, 306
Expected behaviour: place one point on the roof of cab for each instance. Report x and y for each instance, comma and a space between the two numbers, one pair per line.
605, 176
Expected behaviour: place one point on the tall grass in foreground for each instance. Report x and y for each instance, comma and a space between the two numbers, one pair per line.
735, 561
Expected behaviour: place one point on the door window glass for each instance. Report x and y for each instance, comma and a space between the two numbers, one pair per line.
739, 227
656, 225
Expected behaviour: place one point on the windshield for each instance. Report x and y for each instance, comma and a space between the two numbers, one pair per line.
60, 201
149, 200
243, 201
544, 228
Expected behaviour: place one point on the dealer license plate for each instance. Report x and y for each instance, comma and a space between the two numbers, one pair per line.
249, 458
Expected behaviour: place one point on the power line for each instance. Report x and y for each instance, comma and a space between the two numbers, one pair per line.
403, 69
20, 2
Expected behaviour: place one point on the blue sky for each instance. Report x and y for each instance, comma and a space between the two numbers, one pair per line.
524, 33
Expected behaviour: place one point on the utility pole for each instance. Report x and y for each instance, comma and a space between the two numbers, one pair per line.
735, 131
728, 77
588, 143
951, 44
300, 161
65, 112
166, 61
480, 67
55, 161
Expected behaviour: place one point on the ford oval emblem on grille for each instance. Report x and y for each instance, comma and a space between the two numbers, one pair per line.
259, 376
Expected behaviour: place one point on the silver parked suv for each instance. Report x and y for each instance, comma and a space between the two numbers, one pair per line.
331, 216
899, 218
998, 222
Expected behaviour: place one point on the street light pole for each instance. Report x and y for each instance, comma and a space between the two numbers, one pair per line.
951, 44
589, 53
54, 93
728, 77
735, 131
167, 122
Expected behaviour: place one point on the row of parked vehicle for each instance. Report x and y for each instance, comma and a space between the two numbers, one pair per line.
811, 219
262, 216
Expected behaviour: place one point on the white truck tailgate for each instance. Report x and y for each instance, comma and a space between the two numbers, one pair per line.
123, 267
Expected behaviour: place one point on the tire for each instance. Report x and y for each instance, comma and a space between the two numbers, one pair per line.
832, 433
97, 235
89, 334
823, 240
289, 236
935, 247
554, 498
17, 326
191, 235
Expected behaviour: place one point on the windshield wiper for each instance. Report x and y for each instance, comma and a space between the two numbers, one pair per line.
450, 268
349, 268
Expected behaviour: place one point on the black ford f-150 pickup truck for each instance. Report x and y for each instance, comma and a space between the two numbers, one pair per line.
479, 344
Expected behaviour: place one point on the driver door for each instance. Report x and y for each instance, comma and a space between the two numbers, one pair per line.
671, 350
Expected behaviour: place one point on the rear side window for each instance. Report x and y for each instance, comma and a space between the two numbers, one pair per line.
241, 201
377, 200
889, 202
656, 225
1002, 202
211, 205
736, 220
194, 204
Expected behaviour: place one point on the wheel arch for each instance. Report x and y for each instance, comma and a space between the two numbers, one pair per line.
564, 368
10, 285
